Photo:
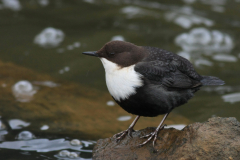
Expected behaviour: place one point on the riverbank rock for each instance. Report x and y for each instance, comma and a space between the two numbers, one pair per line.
218, 138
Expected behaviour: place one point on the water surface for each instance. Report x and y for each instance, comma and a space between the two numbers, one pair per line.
42, 42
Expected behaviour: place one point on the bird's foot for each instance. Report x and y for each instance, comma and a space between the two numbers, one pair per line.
121, 135
152, 135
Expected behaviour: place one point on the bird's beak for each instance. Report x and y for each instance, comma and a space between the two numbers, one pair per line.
91, 53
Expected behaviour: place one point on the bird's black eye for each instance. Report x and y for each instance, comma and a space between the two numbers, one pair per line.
112, 53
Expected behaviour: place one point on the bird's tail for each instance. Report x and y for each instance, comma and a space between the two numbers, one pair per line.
210, 80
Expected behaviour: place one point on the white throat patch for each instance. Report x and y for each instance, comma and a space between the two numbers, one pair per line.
121, 82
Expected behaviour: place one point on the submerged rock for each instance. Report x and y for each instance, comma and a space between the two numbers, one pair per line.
218, 138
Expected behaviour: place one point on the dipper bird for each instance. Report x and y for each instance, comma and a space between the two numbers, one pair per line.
148, 81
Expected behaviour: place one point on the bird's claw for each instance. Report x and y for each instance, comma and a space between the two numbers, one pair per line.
121, 135
150, 136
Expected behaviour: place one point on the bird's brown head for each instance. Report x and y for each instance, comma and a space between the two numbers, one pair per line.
122, 53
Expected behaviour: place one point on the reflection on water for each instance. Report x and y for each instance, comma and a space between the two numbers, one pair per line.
49, 36
44, 145
61, 148
65, 148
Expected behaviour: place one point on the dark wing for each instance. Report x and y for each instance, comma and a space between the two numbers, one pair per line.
173, 74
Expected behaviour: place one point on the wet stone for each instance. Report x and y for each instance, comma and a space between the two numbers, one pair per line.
216, 139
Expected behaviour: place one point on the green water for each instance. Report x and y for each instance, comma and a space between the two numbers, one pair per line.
211, 42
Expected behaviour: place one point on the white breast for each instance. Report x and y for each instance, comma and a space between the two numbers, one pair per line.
121, 82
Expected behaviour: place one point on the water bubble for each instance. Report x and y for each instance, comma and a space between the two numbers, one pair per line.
66, 68
44, 127
49, 38
73, 155
124, 118
64, 153
61, 71
25, 135
70, 47
110, 103
75, 142
23, 91
77, 44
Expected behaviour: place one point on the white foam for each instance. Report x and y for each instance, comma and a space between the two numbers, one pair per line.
176, 126
23, 91
49, 38
204, 40
44, 127
12, 4
225, 58
110, 103
43, 2
232, 98
124, 118
18, 124
118, 38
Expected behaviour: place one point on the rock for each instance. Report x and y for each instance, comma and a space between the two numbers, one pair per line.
218, 138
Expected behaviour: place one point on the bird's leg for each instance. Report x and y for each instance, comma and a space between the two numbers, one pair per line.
155, 133
122, 134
